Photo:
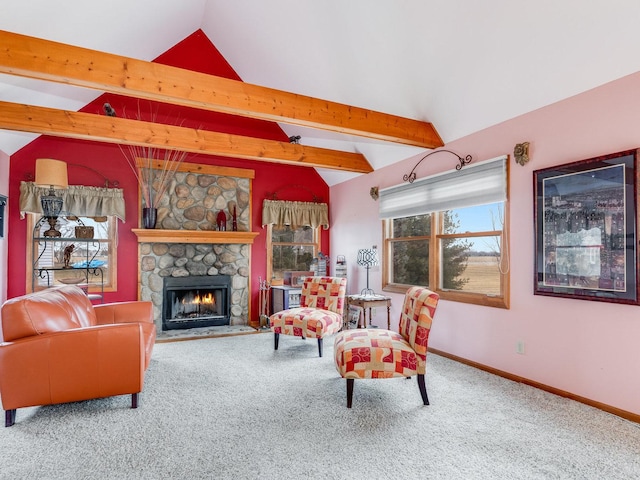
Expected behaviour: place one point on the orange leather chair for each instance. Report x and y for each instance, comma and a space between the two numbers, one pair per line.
60, 348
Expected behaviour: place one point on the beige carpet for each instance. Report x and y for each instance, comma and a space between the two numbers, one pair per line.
233, 408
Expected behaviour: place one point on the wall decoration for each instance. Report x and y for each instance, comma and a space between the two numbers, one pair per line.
586, 229
521, 153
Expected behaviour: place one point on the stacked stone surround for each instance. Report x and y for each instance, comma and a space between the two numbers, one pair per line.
193, 204
159, 260
196, 199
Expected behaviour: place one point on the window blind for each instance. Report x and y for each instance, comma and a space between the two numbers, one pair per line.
477, 184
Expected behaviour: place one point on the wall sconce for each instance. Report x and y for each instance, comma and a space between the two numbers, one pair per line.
51, 173
410, 177
367, 258
3, 203
374, 193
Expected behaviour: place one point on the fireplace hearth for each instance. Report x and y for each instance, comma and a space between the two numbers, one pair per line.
196, 301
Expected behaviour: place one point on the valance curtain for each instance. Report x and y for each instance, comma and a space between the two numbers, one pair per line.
295, 214
78, 200
477, 184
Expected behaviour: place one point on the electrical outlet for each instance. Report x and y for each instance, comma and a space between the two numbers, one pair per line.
520, 347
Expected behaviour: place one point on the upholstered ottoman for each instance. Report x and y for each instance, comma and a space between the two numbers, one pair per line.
378, 353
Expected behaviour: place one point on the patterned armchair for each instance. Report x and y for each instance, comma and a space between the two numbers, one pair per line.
377, 353
319, 313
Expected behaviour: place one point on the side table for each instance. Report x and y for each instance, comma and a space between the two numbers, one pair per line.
368, 302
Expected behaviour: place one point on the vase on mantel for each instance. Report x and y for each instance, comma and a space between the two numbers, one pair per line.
149, 217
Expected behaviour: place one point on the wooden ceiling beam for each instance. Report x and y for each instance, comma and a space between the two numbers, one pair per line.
46, 60
87, 126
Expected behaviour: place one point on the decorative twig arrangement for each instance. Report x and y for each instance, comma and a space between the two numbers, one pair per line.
152, 173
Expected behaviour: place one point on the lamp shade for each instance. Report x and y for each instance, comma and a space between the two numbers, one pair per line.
367, 257
51, 173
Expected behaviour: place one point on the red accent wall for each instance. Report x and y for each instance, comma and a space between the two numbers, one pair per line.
196, 53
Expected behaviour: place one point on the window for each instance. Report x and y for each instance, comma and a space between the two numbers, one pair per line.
293, 234
290, 249
46, 262
460, 250
97, 207
408, 250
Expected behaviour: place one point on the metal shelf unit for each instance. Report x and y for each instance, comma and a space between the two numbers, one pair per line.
45, 266
284, 297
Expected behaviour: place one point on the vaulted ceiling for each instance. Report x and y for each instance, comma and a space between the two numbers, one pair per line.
460, 66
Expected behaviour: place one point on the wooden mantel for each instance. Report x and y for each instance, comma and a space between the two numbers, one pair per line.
156, 235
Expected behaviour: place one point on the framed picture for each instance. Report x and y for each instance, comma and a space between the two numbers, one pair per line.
586, 229
354, 316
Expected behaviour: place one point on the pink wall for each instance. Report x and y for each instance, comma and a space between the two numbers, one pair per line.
583, 347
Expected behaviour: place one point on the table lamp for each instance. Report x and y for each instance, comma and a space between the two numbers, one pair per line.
51, 173
367, 258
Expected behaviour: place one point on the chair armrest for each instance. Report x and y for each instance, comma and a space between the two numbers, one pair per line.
72, 365
124, 312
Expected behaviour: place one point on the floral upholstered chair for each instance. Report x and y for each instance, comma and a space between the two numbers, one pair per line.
319, 313
377, 353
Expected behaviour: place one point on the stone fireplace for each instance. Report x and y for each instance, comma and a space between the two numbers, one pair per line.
161, 260
187, 246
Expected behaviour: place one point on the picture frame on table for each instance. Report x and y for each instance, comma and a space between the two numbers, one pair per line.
586, 221
353, 316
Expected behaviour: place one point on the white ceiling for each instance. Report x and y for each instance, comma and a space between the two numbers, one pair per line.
462, 65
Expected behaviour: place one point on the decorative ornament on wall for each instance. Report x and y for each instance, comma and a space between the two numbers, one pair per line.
521, 153
411, 176
374, 193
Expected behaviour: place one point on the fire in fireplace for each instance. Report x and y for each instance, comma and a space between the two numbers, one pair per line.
196, 301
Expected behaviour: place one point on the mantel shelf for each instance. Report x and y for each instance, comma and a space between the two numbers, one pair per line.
156, 235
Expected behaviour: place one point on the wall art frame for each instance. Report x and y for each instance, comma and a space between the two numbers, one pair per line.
586, 220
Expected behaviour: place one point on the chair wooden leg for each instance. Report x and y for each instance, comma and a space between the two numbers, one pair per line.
9, 417
349, 392
276, 337
320, 346
134, 400
423, 389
